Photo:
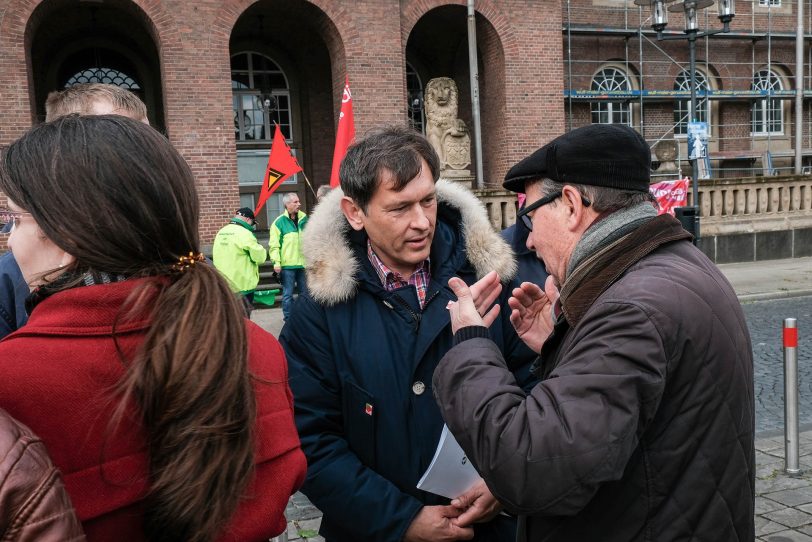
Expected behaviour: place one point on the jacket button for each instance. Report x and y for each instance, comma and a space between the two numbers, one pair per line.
418, 388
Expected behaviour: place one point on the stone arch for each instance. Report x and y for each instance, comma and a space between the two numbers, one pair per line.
17, 34
313, 57
335, 26
491, 47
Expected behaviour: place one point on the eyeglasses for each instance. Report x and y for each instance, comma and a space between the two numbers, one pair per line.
524, 213
10, 219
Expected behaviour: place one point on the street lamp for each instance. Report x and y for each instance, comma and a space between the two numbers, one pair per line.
726, 9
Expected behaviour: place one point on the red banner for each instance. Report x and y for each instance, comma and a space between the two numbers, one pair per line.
671, 194
281, 165
344, 134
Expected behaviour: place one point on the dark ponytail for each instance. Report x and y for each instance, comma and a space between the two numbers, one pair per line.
116, 195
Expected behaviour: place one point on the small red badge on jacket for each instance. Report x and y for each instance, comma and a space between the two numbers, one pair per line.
368, 409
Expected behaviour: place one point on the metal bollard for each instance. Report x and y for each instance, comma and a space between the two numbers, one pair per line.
791, 444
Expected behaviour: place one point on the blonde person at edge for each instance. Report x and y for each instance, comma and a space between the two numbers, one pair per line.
285, 248
167, 412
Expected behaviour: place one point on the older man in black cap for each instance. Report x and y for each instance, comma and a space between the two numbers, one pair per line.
642, 425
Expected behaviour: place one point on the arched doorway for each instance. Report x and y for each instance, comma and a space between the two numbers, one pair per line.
110, 42
282, 72
438, 47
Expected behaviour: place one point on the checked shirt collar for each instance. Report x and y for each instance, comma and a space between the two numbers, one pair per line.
392, 280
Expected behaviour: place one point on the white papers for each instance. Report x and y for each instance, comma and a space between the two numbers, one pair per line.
450, 474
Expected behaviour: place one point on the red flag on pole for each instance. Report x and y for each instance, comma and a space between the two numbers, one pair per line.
281, 165
345, 133
670, 194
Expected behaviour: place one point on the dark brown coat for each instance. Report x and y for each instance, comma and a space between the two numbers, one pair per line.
642, 427
34, 505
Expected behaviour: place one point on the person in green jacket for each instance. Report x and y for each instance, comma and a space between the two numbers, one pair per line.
237, 254
285, 248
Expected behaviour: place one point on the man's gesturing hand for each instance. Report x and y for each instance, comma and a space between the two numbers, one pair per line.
474, 305
434, 524
530, 313
479, 505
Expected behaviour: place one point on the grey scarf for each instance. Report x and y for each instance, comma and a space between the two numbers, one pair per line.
608, 230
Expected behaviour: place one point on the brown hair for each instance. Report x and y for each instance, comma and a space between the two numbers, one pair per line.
396, 149
117, 196
81, 98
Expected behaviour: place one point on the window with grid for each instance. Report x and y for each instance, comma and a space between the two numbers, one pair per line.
260, 97
107, 76
609, 79
682, 108
414, 93
769, 3
767, 114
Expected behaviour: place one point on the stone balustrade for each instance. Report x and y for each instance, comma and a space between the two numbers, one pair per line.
745, 219
731, 206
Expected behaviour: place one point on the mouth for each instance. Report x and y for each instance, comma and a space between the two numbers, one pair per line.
417, 243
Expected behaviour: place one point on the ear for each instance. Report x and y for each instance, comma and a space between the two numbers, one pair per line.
355, 215
579, 216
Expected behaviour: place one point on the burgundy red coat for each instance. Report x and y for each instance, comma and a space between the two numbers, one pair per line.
59, 371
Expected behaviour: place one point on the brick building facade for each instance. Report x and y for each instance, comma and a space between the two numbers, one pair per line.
609, 44
216, 74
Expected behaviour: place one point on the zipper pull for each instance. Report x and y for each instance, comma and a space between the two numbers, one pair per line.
388, 304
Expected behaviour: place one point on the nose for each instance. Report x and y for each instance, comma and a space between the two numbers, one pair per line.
420, 220
529, 243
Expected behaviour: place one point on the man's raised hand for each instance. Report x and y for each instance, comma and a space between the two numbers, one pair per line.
530, 312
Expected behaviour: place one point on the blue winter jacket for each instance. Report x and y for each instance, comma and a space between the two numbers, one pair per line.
13, 291
361, 362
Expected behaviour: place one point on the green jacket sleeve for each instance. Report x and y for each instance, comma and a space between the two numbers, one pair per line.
275, 243
254, 250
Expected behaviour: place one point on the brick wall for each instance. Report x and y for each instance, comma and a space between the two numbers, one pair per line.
324, 40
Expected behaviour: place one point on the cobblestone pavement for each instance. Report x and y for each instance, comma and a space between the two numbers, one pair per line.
765, 320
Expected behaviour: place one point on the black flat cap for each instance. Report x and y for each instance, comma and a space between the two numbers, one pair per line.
610, 155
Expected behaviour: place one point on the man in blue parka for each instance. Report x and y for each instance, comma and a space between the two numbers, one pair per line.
363, 344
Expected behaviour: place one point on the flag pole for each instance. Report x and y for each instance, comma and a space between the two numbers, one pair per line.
308, 184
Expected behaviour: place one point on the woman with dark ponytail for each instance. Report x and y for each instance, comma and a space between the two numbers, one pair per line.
167, 412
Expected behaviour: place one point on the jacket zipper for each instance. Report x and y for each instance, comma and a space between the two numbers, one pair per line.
415, 316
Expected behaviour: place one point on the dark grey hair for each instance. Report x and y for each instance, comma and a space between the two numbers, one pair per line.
604, 200
398, 150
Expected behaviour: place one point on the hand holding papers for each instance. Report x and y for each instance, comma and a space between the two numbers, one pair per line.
450, 474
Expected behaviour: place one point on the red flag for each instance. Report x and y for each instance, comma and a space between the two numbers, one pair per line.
281, 165
345, 133
670, 194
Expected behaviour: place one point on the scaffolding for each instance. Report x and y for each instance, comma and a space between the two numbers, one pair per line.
762, 37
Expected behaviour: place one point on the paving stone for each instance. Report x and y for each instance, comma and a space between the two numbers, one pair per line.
764, 505
779, 482
792, 497
769, 470
791, 517
788, 536
765, 527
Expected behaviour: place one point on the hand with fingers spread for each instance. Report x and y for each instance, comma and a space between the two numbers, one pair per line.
479, 505
530, 314
435, 524
474, 305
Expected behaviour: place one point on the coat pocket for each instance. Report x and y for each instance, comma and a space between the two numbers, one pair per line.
359, 422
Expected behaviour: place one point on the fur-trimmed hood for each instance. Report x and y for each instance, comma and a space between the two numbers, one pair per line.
331, 265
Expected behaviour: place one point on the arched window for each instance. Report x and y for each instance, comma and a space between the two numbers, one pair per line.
260, 97
606, 112
682, 108
414, 93
108, 76
767, 115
